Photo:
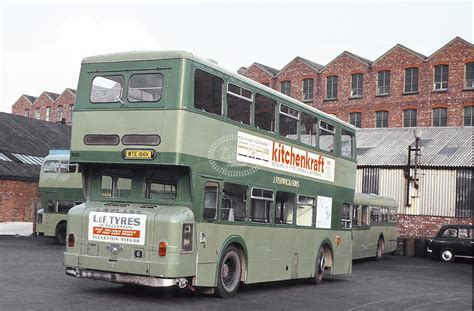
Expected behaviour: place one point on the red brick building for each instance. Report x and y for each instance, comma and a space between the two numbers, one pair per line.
47, 106
401, 88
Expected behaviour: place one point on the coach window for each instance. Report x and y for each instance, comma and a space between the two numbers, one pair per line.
375, 214
305, 211
211, 194
346, 221
107, 89
365, 221
261, 205
327, 132
265, 113
51, 166
239, 103
208, 92
234, 202
308, 129
289, 122
284, 207
347, 144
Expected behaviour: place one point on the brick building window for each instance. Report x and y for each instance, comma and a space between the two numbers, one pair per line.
411, 80
355, 119
59, 113
357, 83
48, 113
27, 113
409, 118
469, 84
441, 78
37, 113
383, 82
381, 119
469, 116
286, 87
308, 89
71, 108
331, 87
440, 116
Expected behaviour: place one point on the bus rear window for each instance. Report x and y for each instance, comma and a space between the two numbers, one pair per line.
107, 89
145, 87
116, 183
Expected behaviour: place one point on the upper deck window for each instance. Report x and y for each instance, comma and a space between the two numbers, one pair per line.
327, 133
51, 166
289, 118
145, 87
107, 89
265, 113
239, 102
208, 92
347, 144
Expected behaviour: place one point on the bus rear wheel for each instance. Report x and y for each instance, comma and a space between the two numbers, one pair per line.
60, 235
320, 266
229, 273
380, 249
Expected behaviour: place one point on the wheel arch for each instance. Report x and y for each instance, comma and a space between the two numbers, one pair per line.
328, 250
239, 243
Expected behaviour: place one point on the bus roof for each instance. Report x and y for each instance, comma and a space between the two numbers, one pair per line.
156, 55
374, 199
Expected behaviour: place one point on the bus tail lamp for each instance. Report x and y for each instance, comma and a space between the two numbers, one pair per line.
187, 238
71, 240
162, 249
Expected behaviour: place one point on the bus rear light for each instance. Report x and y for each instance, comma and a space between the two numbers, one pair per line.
71, 240
162, 249
187, 238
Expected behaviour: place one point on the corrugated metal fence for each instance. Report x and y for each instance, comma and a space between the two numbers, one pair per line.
441, 192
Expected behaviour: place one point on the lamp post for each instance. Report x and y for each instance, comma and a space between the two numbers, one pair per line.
417, 154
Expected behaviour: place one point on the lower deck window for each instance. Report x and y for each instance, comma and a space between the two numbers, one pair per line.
305, 211
234, 202
261, 205
284, 207
115, 184
211, 193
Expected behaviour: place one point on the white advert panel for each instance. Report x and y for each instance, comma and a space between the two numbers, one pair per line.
117, 228
323, 212
263, 152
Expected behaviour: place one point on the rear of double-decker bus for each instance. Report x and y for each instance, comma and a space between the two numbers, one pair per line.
137, 225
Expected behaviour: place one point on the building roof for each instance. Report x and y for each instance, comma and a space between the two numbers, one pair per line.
25, 141
311, 63
52, 95
31, 98
440, 146
270, 70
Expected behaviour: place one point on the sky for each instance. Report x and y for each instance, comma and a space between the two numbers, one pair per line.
42, 43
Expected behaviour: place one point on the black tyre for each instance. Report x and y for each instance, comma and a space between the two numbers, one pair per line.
230, 269
60, 235
320, 266
379, 253
446, 255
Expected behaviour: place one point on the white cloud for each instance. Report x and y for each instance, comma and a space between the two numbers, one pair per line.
55, 67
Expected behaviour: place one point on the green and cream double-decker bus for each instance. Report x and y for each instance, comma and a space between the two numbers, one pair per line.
198, 177
373, 220
60, 186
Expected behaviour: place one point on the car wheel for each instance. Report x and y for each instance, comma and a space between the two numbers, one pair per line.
60, 235
229, 273
380, 249
446, 255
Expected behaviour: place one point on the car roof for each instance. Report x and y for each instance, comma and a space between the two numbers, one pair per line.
462, 226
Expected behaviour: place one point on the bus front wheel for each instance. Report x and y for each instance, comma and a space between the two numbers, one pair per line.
380, 249
229, 273
60, 235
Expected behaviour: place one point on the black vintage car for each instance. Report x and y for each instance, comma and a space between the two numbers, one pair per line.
452, 241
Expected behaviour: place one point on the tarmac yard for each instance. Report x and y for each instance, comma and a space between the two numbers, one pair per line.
32, 278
